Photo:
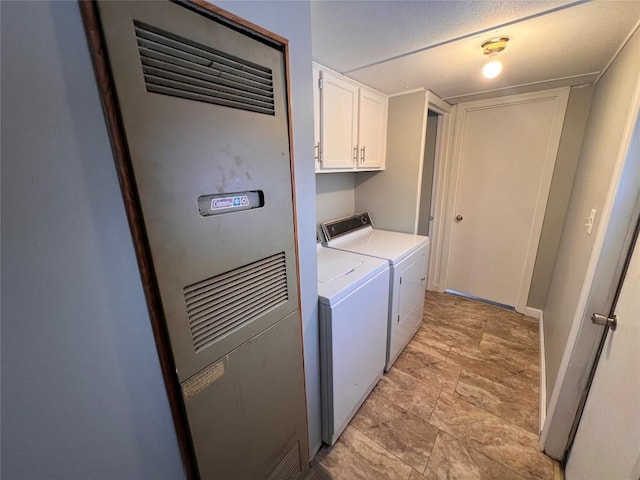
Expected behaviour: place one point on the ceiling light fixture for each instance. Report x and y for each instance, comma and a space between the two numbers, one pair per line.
492, 47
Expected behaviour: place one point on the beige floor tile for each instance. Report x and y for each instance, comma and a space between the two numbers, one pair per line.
452, 460
515, 334
426, 335
416, 476
450, 335
499, 440
439, 300
510, 347
530, 324
420, 342
504, 316
399, 432
408, 392
495, 358
434, 372
460, 324
425, 354
357, 457
465, 307
464, 318
516, 403
448, 306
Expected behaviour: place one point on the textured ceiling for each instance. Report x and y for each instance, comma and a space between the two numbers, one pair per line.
399, 45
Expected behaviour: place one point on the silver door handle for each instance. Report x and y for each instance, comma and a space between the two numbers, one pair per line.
355, 154
362, 154
459, 218
603, 320
317, 151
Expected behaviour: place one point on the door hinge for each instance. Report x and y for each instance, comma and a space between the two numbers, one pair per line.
320, 83
611, 322
398, 318
400, 280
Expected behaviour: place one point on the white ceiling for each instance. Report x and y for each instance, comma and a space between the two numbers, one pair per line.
399, 45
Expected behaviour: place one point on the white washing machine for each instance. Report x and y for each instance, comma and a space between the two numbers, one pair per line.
407, 255
353, 304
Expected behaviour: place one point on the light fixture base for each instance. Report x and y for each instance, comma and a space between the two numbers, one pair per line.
494, 45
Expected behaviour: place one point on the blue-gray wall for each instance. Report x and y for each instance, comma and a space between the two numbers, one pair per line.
82, 392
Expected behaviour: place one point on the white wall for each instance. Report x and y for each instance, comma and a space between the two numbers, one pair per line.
292, 20
82, 392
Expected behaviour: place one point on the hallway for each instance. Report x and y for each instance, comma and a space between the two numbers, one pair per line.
461, 402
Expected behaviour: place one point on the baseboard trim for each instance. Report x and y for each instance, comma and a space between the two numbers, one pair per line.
533, 312
314, 450
543, 374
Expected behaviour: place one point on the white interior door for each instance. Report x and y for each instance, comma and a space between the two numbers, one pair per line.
504, 153
607, 443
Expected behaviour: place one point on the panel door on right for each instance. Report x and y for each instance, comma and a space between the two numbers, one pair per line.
506, 149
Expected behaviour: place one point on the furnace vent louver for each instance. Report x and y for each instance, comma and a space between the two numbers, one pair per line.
290, 467
175, 66
220, 304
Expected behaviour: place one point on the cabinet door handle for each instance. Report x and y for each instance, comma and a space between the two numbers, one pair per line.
316, 154
355, 154
362, 154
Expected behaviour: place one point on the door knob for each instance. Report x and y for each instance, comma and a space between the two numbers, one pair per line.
459, 218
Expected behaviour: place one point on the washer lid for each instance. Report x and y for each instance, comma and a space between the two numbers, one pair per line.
333, 268
340, 273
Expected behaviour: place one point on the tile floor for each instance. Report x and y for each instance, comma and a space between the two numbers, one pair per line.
461, 402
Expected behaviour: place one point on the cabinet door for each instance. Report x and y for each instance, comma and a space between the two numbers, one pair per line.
316, 116
373, 129
338, 120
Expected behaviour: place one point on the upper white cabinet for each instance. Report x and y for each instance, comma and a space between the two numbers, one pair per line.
372, 128
338, 122
350, 124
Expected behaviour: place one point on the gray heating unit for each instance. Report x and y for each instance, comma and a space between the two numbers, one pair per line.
204, 109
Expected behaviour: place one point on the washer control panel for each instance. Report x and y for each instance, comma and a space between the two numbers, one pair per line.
335, 228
